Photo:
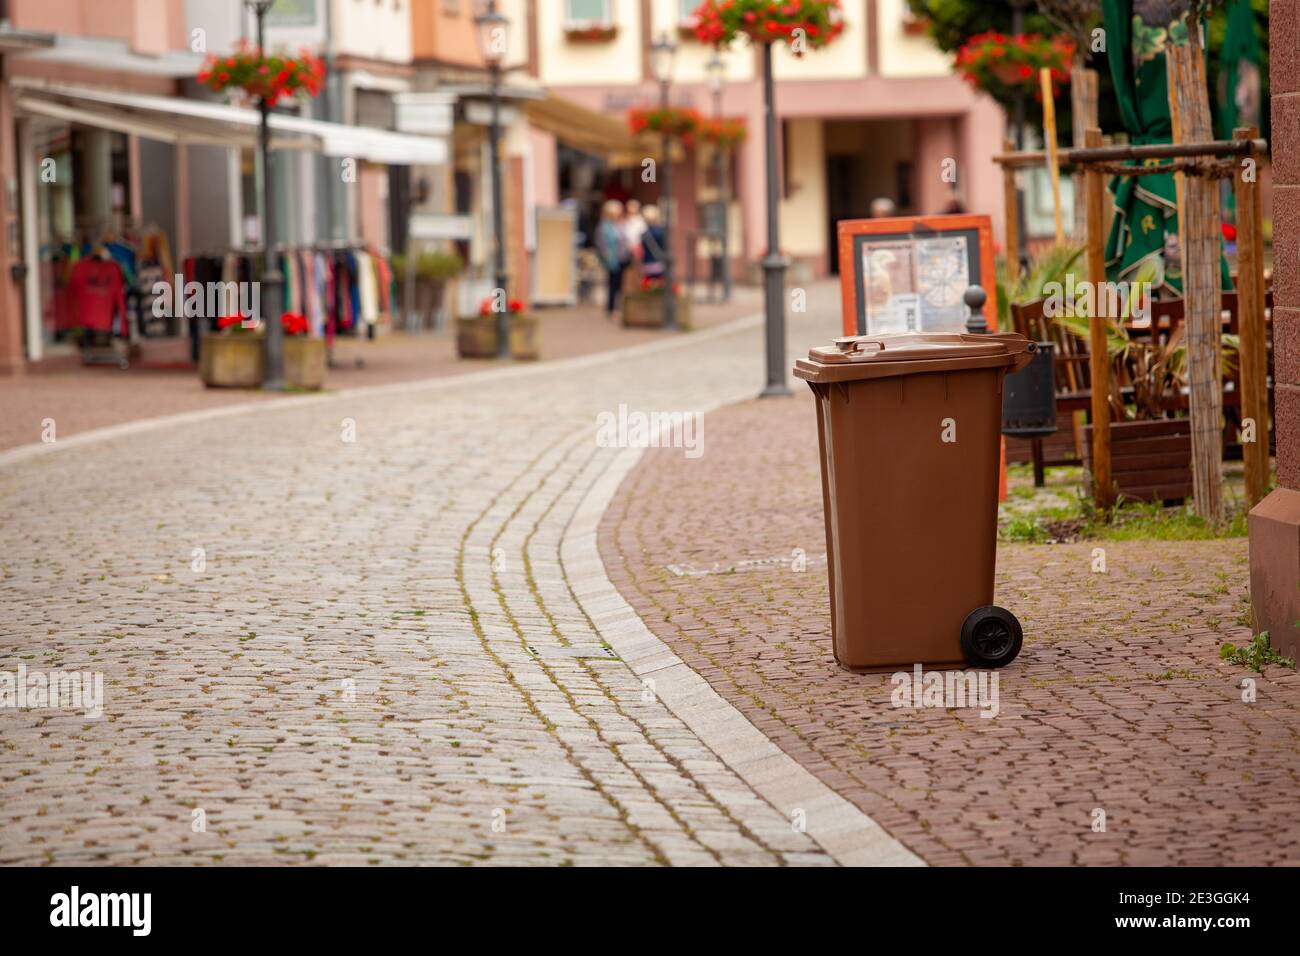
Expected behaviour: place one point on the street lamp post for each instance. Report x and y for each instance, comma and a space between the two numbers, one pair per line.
272, 280
492, 28
662, 52
717, 72
773, 262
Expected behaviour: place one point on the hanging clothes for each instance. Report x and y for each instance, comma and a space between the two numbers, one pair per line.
384, 279
316, 293
97, 292
124, 255
289, 269
343, 285
367, 288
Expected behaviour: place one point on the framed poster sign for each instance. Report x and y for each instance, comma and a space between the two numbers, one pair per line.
909, 273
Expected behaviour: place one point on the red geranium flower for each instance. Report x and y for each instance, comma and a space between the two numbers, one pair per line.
294, 324
270, 77
814, 22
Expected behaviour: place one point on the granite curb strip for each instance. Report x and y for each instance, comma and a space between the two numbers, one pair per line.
850, 836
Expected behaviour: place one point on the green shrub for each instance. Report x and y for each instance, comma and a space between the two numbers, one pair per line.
430, 266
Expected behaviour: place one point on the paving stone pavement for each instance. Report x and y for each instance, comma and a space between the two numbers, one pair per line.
341, 630
1118, 702
80, 399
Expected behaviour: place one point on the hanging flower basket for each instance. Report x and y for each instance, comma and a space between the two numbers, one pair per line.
1003, 65
804, 24
726, 133
679, 123
270, 77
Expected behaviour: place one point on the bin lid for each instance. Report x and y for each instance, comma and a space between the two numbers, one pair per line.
872, 356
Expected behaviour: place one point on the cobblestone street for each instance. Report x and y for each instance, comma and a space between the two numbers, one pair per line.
376, 627
373, 628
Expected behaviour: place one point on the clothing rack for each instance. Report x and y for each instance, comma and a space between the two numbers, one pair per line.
343, 287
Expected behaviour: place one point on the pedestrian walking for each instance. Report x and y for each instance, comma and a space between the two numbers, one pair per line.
882, 207
611, 245
634, 226
654, 244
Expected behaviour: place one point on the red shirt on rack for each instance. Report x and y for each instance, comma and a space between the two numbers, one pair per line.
97, 293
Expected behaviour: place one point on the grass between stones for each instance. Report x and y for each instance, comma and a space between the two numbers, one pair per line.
1061, 512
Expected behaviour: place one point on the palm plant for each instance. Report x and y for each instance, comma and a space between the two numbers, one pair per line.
1052, 266
1155, 370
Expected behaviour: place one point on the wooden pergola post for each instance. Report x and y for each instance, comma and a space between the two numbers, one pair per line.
1083, 117
1199, 245
1049, 140
1252, 358
1011, 213
1103, 487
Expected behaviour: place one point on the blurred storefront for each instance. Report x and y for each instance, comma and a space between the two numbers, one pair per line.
108, 145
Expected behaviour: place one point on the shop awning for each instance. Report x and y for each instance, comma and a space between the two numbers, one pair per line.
74, 49
180, 120
589, 131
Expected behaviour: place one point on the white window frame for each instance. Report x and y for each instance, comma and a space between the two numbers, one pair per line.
607, 19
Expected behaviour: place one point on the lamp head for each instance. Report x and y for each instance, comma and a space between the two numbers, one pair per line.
493, 33
662, 53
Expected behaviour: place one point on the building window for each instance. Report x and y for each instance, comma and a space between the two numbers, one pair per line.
587, 11
451, 8
686, 12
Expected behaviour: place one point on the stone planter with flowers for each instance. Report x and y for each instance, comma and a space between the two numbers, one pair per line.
476, 335
305, 357
234, 356
644, 308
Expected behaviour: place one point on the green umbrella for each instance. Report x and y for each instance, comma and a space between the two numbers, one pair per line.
1239, 80
1239, 97
1145, 227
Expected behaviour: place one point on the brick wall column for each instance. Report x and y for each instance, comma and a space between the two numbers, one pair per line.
1275, 521
12, 359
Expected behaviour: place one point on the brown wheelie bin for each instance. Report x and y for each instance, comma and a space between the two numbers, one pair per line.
909, 427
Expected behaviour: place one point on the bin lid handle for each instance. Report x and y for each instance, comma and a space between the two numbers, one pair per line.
852, 344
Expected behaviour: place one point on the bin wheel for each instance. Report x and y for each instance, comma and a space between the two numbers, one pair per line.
991, 637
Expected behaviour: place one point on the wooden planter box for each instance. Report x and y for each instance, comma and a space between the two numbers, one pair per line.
304, 362
645, 310
231, 361
476, 337
525, 338
1149, 461
595, 32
